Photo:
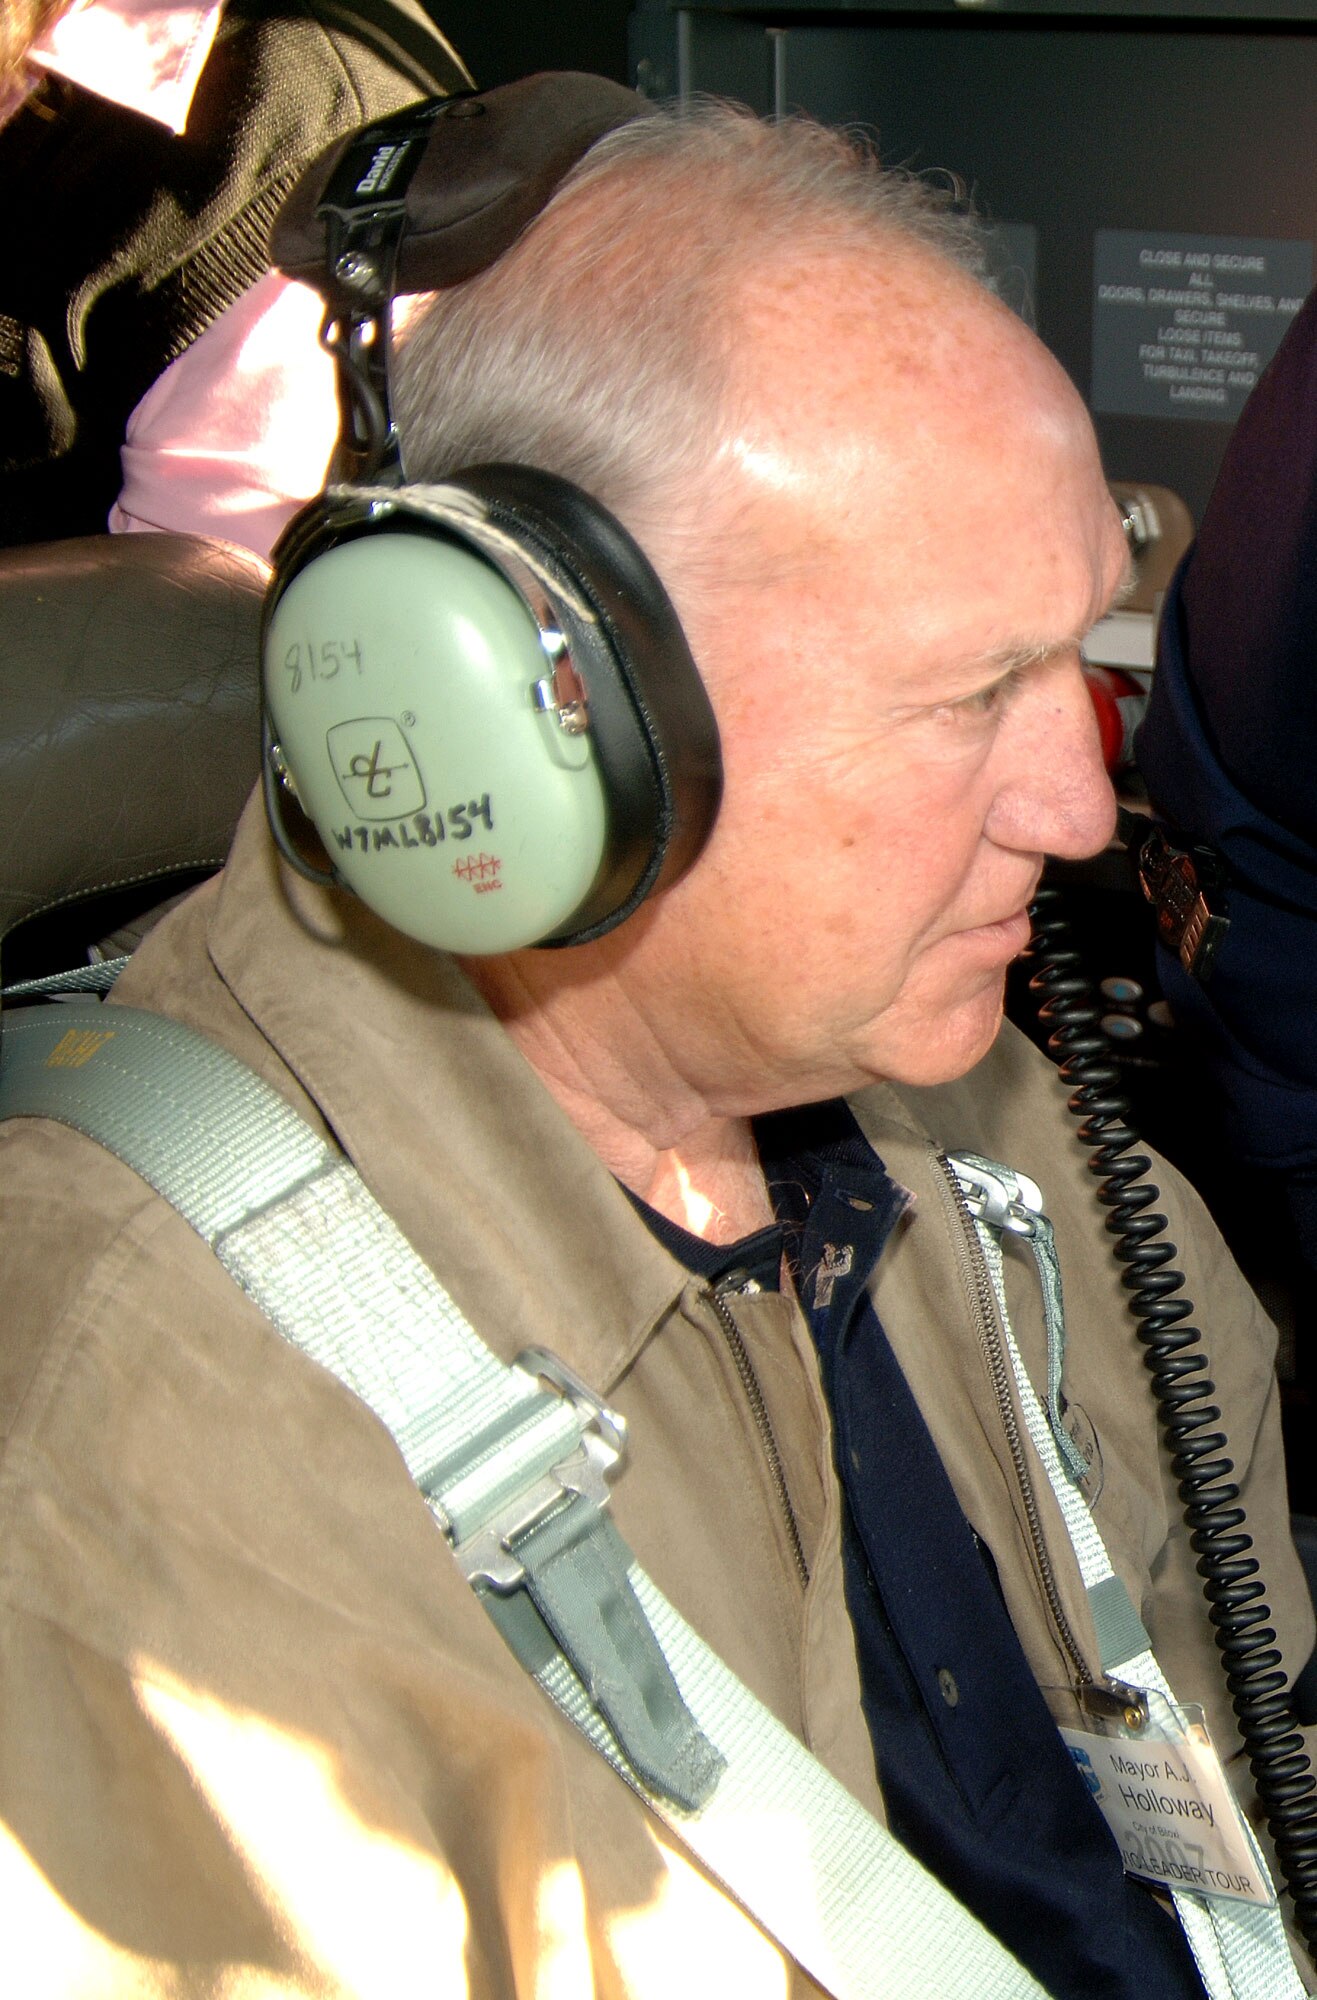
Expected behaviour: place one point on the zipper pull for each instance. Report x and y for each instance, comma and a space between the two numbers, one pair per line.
736, 1283
992, 1199
1000, 1198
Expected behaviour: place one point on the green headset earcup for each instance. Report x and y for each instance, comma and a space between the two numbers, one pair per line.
399, 677
405, 683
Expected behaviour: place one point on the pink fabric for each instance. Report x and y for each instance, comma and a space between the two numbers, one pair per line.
143, 54
236, 434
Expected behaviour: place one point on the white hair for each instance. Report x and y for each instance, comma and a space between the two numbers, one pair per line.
599, 346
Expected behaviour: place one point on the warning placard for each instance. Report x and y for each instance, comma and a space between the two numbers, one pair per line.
1184, 325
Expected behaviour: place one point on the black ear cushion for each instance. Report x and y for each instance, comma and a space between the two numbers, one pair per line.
653, 727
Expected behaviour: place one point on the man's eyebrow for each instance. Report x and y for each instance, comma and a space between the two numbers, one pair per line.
1013, 659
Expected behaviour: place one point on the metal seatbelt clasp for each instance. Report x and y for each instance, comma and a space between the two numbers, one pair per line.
524, 1507
489, 1554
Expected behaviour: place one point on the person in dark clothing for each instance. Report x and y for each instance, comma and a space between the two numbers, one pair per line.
127, 240
1228, 751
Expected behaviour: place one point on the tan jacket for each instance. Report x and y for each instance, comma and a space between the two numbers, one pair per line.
256, 1735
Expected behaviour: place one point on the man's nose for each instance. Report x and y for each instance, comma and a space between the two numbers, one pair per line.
1054, 796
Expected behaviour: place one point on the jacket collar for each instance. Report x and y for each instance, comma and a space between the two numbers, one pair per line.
446, 1122
461, 1143
145, 55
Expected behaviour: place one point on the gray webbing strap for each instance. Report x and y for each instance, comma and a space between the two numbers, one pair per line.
98, 977
293, 1224
1240, 1948
503, 1464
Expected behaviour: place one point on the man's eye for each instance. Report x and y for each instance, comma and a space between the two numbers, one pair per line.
984, 700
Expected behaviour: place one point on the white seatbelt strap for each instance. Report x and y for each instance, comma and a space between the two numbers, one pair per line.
514, 1475
1240, 1948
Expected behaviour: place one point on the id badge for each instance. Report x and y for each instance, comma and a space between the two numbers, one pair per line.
1166, 1798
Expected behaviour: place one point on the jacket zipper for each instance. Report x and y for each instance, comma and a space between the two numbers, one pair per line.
759, 1411
990, 1340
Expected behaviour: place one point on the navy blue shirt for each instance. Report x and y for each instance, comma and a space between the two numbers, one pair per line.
976, 1778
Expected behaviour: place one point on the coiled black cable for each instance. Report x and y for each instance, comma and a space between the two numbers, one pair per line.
1190, 1421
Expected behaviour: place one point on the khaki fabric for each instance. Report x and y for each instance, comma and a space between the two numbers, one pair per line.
256, 1736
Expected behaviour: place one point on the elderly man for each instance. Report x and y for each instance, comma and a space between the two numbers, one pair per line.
258, 1734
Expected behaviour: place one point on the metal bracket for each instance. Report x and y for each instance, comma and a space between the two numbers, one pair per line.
1186, 887
1116, 1700
562, 693
990, 1201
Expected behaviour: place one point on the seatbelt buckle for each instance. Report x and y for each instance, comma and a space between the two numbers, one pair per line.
489, 1555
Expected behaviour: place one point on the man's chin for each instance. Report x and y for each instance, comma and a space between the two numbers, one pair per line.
949, 1047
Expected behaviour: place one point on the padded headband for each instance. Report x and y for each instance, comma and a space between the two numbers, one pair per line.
465, 175
420, 201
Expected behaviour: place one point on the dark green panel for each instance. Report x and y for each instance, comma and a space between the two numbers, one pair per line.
1253, 12
498, 41
725, 57
654, 50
